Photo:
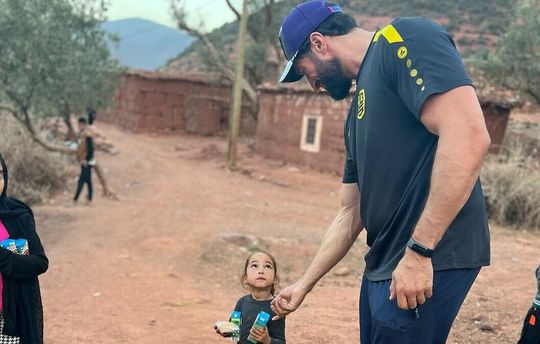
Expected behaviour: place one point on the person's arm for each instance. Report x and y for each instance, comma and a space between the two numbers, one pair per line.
456, 118
89, 148
22, 266
337, 241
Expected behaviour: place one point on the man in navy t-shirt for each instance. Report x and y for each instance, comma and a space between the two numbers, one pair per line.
415, 140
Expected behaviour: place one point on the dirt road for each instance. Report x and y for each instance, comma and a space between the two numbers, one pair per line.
163, 264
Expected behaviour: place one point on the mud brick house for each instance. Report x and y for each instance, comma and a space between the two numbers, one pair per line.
166, 102
302, 127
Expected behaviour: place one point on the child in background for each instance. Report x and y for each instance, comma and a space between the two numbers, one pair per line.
261, 279
530, 334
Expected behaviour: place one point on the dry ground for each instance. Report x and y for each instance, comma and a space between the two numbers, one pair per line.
156, 266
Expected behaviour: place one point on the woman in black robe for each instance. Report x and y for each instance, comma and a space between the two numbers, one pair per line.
21, 318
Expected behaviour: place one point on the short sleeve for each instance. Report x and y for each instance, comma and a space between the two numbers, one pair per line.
422, 61
238, 306
349, 170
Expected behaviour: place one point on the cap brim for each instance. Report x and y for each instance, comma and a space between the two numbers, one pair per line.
289, 74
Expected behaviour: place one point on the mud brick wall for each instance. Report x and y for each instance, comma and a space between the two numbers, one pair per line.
496, 117
150, 102
279, 127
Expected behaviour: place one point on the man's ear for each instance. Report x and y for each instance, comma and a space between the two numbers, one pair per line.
318, 43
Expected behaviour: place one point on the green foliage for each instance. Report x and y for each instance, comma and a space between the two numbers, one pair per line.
515, 63
54, 57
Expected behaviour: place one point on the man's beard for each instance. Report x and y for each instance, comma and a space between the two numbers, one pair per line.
333, 78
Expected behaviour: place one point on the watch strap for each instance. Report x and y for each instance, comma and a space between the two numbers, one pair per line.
419, 248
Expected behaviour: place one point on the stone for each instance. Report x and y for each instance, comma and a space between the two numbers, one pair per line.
242, 240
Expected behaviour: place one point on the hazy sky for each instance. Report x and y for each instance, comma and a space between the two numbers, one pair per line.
212, 13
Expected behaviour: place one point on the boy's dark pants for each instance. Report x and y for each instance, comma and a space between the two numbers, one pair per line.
84, 178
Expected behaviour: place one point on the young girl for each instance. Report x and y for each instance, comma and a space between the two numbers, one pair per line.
21, 312
261, 279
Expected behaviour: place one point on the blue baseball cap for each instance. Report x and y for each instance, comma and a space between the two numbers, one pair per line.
296, 28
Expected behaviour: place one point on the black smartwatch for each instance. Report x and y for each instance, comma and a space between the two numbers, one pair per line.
419, 248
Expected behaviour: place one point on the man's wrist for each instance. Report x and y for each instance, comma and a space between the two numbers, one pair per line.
419, 248
410, 253
305, 286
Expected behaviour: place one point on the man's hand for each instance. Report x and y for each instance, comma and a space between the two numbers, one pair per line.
261, 336
288, 300
412, 281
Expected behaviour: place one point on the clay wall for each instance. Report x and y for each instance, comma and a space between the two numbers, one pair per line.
150, 102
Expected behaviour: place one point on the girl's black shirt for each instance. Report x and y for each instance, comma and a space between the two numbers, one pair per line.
250, 308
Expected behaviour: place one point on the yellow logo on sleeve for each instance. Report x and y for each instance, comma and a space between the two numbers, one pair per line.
402, 52
361, 104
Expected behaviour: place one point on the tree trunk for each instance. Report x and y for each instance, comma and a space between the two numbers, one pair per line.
70, 136
236, 108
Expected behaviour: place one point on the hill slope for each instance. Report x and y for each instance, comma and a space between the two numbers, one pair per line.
473, 24
144, 44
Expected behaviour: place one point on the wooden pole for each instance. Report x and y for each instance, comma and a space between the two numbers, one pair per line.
234, 118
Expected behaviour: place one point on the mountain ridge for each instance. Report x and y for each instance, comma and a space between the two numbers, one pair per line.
144, 44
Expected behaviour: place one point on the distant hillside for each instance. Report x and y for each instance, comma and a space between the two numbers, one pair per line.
474, 24
144, 44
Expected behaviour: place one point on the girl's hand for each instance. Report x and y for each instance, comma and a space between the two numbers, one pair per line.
217, 330
261, 335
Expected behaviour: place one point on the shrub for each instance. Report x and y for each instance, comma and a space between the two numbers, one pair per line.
512, 186
34, 173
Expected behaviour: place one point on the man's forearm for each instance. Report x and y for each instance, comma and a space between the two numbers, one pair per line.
455, 171
337, 241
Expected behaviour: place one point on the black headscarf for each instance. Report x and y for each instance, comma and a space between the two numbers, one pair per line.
21, 299
9, 207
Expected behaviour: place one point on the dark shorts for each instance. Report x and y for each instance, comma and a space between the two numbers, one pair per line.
530, 334
383, 322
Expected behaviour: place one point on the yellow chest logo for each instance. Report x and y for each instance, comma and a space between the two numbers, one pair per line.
361, 104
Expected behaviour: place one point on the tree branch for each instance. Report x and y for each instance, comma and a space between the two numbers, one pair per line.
535, 96
268, 5
238, 16
228, 71
27, 123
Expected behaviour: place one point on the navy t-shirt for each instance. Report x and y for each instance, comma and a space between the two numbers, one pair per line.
250, 308
390, 153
